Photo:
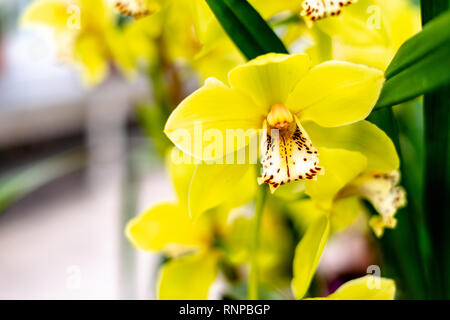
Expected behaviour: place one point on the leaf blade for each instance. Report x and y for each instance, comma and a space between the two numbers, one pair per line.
246, 28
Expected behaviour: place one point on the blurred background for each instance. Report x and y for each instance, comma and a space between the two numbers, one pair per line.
74, 167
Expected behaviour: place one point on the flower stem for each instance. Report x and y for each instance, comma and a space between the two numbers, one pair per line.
253, 283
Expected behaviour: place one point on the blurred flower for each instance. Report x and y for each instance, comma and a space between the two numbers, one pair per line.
278, 95
198, 246
364, 288
360, 161
368, 32
87, 34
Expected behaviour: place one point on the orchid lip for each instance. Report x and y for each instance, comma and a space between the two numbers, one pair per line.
288, 153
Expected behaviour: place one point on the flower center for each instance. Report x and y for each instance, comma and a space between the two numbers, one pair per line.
288, 153
318, 9
279, 117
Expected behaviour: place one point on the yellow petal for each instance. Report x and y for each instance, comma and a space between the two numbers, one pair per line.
341, 167
288, 156
219, 62
404, 19
307, 255
336, 93
270, 78
361, 136
213, 184
121, 52
304, 212
164, 226
136, 41
400, 19
51, 13
188, 277
344, 212
365, 288
215, 111
203, 20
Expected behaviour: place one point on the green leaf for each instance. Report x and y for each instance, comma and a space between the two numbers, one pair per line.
246, 28
21, 182
420, 65
437, 165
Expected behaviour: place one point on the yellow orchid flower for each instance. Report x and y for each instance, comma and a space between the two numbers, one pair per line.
360, 161
366, 31
87, 34
190, 242
306, 260
276, 95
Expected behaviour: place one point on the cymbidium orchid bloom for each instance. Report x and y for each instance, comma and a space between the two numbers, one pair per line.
87, 34
278, 96
360, 161
307, 257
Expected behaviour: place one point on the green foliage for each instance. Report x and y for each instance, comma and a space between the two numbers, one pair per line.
418, 66
245, 26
